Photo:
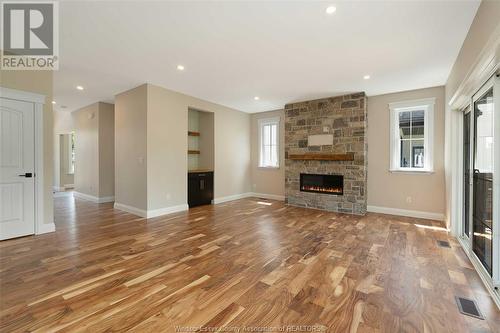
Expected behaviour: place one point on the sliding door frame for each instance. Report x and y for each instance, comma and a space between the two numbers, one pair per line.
484, 66
466, 242
496, 181
466, 237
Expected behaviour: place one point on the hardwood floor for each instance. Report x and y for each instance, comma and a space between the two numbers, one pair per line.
248, 263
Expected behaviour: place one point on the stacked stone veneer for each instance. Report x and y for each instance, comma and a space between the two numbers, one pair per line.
345, 118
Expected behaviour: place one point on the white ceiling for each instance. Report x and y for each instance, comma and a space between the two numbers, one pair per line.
282, 51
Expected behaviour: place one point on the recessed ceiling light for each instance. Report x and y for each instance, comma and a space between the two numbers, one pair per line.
256, 98
79, 87
53, 102
331, 9
180, 67
366, 77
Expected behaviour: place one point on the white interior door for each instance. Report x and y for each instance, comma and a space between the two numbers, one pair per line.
17, 165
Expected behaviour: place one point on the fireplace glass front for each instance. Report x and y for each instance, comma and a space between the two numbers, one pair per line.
326, 184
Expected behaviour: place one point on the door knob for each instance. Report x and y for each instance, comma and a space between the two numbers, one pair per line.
27, 175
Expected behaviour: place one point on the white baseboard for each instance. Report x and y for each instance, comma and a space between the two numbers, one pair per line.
249, 195
84, 196
409, 213
232, 197
130, 209
151, 213
92, 198
167, 210
44, 228
68, 186
106, 199
268, 196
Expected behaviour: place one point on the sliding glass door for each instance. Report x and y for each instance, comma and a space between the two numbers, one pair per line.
483, 171
481, 179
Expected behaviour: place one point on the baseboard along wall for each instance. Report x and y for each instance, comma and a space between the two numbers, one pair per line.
92, 198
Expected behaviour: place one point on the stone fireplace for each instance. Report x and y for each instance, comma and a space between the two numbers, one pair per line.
326, 154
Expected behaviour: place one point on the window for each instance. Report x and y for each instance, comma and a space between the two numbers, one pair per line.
269, 142
412, 127
71, 153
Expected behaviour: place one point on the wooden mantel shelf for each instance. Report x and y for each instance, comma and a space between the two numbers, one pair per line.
322, 157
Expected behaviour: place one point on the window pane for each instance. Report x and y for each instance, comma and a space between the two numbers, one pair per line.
266, 155
267, 134
404, 125
417, 124
269, 144
405, 160
484, 154
417, 150
272, 130
274, 156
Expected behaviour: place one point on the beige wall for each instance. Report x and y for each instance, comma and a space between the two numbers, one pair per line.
86, 150
232, 150
206, 140
167, 121
193, 141
391, 190
39, 82
265, 180
152, 123
64, 177
106, 150
486, 23
130, 148
167, 148
94, 150
202, 122
63, 122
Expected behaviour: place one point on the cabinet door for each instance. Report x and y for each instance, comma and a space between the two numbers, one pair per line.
205, 186
210, 187
193, 190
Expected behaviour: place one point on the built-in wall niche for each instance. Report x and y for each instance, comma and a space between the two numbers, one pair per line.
200, 140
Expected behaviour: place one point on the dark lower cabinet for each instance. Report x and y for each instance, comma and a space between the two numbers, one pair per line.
200, 188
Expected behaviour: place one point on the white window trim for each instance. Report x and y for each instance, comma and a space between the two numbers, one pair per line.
426, 104
261, 123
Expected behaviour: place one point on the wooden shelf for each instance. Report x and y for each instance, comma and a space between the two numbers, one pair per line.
194, 152
322, 157
191, 133
200, 170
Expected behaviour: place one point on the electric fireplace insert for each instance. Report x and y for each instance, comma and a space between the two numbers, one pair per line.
326, 184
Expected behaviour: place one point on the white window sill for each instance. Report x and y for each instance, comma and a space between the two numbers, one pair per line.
412, 171
268, 167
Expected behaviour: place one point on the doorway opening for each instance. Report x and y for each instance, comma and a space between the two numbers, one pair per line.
64, 163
